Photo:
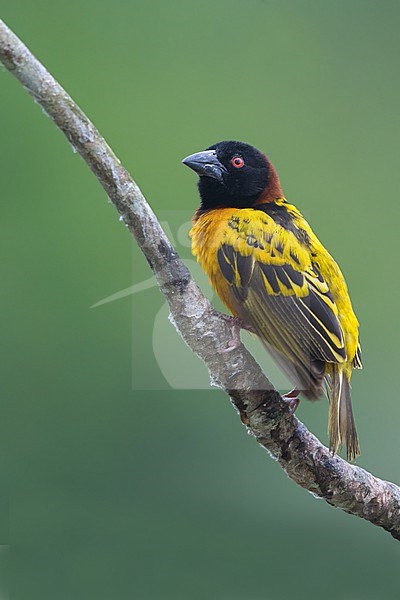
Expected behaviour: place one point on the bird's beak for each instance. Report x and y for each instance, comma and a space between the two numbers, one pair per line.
206, 164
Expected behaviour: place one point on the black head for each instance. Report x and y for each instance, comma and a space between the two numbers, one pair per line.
232, 174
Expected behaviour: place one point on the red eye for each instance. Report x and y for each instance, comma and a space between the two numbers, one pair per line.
237, 162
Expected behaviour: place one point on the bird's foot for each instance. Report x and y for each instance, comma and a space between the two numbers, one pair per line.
237, 322
235, 325
235, 341
292, 400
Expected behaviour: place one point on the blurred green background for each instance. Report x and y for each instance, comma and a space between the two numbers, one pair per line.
118, 485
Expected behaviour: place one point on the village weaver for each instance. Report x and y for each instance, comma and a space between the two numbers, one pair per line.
277, 279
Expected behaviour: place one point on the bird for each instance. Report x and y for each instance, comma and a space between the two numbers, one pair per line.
277, 279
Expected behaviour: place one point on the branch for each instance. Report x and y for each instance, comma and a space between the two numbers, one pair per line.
206, 332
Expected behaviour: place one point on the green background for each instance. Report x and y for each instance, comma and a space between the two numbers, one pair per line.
119, 486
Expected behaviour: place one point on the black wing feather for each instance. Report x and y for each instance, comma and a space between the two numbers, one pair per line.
300, 329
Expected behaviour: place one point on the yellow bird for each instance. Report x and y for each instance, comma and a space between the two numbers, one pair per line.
274, 275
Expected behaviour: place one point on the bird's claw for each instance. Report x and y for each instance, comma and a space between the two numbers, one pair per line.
292, 400
235, 341
238, 323
235, 324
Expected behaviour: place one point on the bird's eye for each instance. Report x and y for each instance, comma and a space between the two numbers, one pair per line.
237, 162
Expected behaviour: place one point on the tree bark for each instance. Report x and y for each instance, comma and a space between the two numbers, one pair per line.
207, 333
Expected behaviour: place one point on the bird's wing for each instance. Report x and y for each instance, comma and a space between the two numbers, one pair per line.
357, 360
275, 287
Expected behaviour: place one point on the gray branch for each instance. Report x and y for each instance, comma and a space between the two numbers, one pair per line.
206, 332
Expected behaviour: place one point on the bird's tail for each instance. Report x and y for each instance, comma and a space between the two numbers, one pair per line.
341, 426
